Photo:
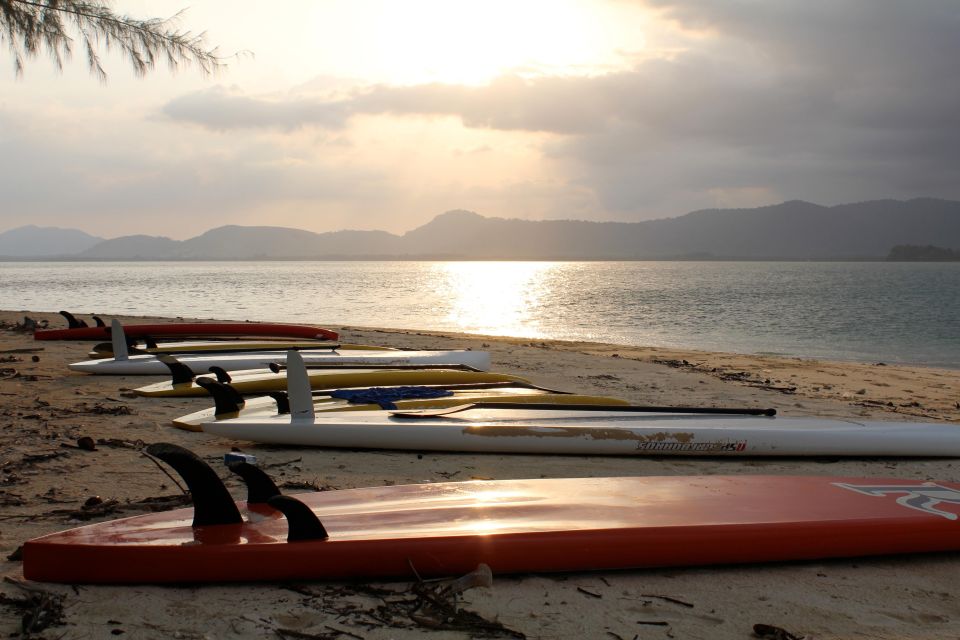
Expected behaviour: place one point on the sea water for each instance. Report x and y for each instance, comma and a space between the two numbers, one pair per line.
866, 311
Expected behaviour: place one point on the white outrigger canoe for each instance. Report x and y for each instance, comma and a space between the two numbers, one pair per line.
585, 430
199, 364
565, 430
125, 364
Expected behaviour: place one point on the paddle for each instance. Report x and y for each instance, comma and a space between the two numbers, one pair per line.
277, 367
533, 406
228, 401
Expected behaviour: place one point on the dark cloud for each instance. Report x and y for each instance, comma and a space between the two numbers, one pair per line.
220, 110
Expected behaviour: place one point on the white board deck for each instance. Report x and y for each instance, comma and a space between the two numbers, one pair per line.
200, 364
601, 433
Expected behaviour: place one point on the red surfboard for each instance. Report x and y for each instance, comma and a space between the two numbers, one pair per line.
514, 526
180, 329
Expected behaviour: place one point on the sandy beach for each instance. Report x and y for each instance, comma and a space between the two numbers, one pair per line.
46, 480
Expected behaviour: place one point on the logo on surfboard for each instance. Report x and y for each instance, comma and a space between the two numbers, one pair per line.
922, 497
723, 446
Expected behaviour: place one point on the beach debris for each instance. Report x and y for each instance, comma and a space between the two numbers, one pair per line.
97, 507
100, 409
430, 604
86, 443
770, 632
434, 605
29, 325
30, 459
38, 608
678, 601
308, 485
118, 443
744, 377
332, 634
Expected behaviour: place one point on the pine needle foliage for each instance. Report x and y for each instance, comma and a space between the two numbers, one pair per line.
29, 26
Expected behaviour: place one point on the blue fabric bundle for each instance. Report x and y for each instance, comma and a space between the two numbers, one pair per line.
386, 396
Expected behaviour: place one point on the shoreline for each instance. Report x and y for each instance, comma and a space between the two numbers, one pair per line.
46, 480
916, 394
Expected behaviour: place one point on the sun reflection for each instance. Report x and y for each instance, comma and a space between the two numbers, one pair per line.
496, 298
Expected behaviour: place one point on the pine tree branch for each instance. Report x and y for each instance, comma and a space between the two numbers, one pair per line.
36, 23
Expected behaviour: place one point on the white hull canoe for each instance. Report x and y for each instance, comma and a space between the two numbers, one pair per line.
200, 364
204, 347
599, 433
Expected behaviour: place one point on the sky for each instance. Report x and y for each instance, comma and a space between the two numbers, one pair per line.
381, 114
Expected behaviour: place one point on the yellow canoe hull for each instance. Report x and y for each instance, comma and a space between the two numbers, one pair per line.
264, 381
266, 406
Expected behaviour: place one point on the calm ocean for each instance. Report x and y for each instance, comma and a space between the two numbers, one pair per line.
889, 312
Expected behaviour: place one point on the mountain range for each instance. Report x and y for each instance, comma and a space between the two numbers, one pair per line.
793, 230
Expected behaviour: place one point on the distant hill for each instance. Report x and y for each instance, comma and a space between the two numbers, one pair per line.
234, 242
32, 241
929, 253
139, 247
793, 230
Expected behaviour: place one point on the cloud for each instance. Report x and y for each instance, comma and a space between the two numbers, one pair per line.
222, 109
746, 101
825, 101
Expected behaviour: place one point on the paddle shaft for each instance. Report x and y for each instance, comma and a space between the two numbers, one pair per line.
534, 406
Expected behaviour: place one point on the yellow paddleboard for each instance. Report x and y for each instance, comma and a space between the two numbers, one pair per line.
263, 380
266, 406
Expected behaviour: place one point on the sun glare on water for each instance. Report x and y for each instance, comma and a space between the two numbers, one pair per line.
495, 298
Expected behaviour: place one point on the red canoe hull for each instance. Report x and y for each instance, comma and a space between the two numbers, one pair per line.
192, 329
519, 526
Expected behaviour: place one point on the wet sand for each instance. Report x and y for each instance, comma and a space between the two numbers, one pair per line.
46, 480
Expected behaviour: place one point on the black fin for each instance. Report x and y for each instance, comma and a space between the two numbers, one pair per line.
225, 398
212, 503
150, 342
276, 367
302, 522
103, 347
72, 320
221, 373
260, 487
99, 321
283, 402
180, 372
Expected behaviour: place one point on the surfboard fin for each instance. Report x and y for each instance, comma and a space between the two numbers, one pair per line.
260, 487
212, 503
298, 388
226, 399
119, 341
150, 342
302, 523
221, 373
180, 372
72, 320
99, 321
283, 402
